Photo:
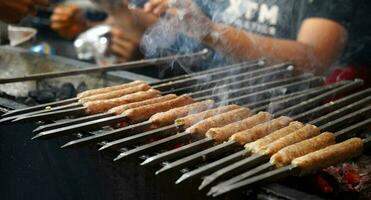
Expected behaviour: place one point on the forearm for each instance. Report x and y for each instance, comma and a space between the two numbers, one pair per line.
241, 45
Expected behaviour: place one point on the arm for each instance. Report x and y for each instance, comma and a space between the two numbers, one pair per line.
318, 44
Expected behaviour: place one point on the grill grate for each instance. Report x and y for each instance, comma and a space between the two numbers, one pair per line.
254, 84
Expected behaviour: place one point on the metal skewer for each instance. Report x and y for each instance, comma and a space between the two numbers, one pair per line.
257, 159
78, 125
319, 111
36, 117
271, 176
157, 144
121, 66
205, 154
38, 107
269, 166
187, 79
194, 94
140, 137
113, 133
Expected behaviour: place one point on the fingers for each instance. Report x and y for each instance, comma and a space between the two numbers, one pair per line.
121, 45
66, 21
156, 7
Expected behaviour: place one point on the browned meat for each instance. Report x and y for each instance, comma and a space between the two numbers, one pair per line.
168, 117
287, 154
120, 109
308, 131
258, 144
190, 120
93, 107
218, 121
116, 93
108, 89
260, 130
330, 155
145, 112
223, 133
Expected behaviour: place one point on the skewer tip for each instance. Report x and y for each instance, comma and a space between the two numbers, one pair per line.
6, 120
162, 170
146, 162
38, 129
213, 191
105, 147
206, 182
119, 157
67, 145
182, 178
19, 119
38, 136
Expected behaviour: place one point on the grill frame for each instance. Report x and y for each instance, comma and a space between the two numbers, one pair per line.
175, 191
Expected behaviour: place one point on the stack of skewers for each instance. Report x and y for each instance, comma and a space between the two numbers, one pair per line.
256, 145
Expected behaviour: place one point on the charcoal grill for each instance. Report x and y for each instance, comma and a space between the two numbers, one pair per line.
303, 97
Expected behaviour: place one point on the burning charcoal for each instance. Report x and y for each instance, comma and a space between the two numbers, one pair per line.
81, 87
66, 91
46, 96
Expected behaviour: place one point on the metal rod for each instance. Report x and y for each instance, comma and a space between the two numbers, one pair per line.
121, 66
260, 179
79, 111
38, 107
198, 157
233, 169
219, 163
53, 110
71, 122
253, 63
181, 137
111, 135
238, 83
253, 172
171, 153
244, 99
333, 105
208, 168
312, 102
229, 78
256, 159
270, 176
270, 166
86, 126
340, 135
340, 112
163, 131
287, 103
346, 119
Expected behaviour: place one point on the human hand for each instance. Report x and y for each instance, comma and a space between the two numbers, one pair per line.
190, 19
14, 11
122, 46
156, 7
68, 21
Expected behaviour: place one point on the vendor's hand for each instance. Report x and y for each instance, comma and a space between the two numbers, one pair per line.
124, 47
12, 11
68, 21
190, 19
156, 7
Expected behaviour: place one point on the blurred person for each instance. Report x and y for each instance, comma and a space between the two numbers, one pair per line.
14, 11
68, 20
310, 33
